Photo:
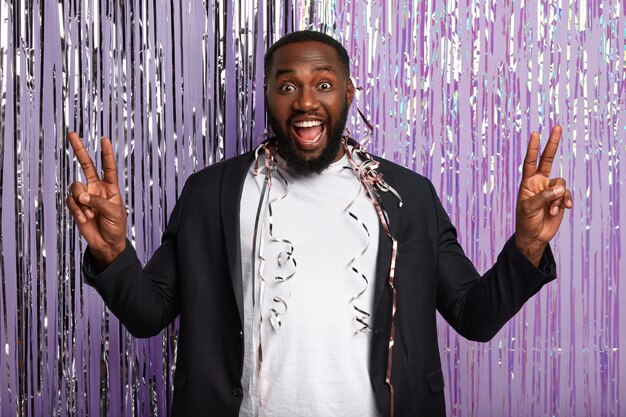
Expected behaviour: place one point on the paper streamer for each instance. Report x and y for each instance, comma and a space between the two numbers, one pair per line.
453, 90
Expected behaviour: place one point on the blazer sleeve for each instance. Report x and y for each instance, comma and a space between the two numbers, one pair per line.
477, 307
145, 300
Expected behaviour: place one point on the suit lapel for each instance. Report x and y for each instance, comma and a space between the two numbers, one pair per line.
232, 186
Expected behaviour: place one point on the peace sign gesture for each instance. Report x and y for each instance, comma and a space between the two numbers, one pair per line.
97, 206
541, 201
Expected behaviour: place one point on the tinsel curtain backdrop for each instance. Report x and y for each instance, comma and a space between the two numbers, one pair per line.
453, 88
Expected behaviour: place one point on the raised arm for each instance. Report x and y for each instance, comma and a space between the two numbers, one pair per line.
97, 206
145, 300
542, 200
478, 308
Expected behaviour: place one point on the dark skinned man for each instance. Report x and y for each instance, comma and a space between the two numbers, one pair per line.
307, 273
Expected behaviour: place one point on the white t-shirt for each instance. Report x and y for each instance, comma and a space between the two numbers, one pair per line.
316, 363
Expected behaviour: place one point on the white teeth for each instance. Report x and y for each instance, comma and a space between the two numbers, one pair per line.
308, 123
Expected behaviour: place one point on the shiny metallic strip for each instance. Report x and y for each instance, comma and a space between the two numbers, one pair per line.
255, 236
366, 172
268, 159
66, 245
269, 150
271, 168
61, 108
279, 240
40, 326
362, 315
21, 63
7, 401
61, 162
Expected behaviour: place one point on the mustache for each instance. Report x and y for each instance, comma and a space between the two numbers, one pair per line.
306, 114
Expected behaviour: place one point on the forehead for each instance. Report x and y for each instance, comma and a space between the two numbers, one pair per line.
302, 56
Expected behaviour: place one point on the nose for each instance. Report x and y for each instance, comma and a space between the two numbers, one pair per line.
306, 100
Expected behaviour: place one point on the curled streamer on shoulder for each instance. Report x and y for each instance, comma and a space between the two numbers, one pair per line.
372, 181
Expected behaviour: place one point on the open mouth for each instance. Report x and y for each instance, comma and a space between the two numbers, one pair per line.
308, 134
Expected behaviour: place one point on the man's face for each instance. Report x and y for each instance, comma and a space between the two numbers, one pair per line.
308, 96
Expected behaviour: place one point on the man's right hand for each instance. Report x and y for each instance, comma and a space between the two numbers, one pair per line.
97, 206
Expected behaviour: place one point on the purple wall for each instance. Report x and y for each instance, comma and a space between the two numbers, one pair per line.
453, 89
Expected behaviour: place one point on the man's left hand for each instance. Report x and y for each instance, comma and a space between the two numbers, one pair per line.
541, 201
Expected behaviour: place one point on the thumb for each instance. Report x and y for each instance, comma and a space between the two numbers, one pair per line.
103, 206
545, 198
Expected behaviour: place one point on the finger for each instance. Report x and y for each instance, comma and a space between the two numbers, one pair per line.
558, 203
75, 210
108, 162
566, 203
85, 227
544, 198
567, 199
530, 161
547, 156
77, 189
557, 181
104, 207
83, 157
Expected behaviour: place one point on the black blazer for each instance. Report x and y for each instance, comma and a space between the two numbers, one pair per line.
196, 273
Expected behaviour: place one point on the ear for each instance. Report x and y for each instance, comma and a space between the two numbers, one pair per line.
265, 92
350, 92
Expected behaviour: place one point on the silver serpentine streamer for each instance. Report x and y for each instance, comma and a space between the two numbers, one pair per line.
361, 315
269, 149
284, 257
371, 181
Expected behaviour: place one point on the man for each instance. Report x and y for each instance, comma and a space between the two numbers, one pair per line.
307, 274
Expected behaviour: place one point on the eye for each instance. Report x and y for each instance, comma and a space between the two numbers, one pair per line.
325, 85
286, 88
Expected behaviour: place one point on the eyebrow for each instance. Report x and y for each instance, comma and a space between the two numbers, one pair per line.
320, 68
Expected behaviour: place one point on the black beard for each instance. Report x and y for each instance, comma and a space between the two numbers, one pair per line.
287, 148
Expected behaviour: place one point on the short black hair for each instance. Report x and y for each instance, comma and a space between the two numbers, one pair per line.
307, 36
